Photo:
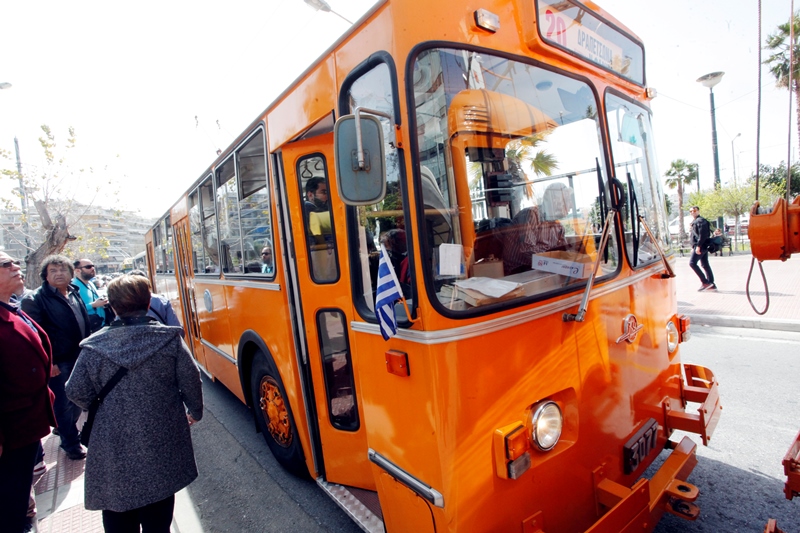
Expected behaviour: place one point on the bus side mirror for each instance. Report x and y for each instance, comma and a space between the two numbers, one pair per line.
359, 159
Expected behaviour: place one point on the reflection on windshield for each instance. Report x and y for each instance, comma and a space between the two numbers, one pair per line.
514, 198
635, 166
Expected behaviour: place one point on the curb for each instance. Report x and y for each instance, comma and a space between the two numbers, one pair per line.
777, 324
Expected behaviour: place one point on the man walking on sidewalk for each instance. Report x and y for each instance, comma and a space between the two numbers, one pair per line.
701, 238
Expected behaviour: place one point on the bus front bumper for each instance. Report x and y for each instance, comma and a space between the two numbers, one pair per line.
640, 507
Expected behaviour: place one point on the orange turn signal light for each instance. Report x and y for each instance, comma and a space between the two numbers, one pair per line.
517, 443
511, 450
684, 322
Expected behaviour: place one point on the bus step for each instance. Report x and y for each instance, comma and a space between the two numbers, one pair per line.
360, 505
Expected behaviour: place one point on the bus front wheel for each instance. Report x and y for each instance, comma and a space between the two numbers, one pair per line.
274, 416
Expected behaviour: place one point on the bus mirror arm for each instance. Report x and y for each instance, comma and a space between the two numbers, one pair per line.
668, 272
581, 314
360, 145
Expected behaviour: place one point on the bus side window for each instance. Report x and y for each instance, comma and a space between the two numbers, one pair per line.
209, 225
312, 174
254, 208
337, 365
228, 218
195, 225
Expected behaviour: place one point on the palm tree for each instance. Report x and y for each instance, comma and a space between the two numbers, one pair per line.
681, 173
524, 150
778, 61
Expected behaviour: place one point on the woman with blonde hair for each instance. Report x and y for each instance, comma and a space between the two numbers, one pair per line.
140, 452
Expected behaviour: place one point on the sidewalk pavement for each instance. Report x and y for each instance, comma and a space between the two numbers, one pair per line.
59, 492
59, 497
729, 306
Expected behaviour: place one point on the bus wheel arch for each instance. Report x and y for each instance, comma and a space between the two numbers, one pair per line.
273, 414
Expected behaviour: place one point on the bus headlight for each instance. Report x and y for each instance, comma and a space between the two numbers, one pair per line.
673, 337
546, 424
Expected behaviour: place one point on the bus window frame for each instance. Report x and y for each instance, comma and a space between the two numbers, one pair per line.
413, 145
351, 213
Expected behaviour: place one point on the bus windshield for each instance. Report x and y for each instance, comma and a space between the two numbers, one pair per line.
512, 172
633, 152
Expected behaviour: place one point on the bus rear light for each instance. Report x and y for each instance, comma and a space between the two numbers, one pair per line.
487, 20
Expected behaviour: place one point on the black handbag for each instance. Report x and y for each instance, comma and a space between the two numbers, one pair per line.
96, 322
86, 431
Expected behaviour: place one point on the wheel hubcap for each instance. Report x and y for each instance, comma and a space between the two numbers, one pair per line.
274, 411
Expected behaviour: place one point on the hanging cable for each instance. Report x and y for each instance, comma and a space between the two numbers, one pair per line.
758, 171
792, 90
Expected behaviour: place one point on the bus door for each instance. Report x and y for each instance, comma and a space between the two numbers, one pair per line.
325, 306
186, 290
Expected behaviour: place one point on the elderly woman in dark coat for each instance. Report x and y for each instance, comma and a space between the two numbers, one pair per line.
140, 452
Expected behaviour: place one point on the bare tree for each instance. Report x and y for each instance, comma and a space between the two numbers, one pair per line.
52, 186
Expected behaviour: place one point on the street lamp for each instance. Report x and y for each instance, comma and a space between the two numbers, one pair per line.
710, 80
733, 154
322, 5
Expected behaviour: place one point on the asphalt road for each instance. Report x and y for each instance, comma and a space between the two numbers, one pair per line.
740, 476
241, 488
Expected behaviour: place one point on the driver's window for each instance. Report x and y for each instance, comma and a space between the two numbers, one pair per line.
383, 222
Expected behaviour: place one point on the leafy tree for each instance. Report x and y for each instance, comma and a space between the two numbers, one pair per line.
733, 200
778, 61
776, 177
681, 173
51, 187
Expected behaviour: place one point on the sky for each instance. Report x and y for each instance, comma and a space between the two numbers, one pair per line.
153, 89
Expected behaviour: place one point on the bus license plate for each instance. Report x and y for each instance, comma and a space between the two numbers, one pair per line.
640, 446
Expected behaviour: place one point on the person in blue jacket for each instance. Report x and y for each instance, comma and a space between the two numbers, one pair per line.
160, 306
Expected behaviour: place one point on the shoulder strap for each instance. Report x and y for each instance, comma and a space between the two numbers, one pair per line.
112, 382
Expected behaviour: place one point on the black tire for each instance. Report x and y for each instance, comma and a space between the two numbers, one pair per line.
274, 416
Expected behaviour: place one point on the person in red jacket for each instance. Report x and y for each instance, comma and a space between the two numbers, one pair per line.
26, 402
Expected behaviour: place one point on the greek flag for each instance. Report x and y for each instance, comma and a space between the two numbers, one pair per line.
387, 294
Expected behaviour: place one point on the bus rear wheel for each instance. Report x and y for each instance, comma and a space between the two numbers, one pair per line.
274, 416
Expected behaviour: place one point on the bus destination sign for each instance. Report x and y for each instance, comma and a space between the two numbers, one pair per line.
572, 27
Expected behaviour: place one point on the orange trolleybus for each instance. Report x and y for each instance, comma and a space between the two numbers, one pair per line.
498, 156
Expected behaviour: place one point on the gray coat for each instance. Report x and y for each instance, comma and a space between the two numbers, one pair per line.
141, 447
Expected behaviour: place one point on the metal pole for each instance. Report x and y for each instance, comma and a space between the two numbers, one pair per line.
717, 182
23, 199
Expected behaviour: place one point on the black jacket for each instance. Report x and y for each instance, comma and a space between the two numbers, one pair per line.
55, 316
701, 233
